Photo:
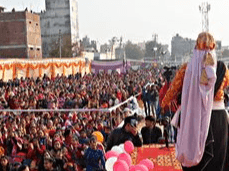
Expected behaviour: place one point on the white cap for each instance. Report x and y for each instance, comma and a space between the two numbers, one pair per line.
127, 110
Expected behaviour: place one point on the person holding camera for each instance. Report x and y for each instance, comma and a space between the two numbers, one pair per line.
127, 132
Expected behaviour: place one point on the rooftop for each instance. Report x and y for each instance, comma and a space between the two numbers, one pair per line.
2, 9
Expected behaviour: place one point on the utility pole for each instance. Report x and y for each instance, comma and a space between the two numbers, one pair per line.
120, 47
155, 38
204, 9
60, 41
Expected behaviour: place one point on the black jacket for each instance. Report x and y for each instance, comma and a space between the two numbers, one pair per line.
119, 136
9, 167
151, 136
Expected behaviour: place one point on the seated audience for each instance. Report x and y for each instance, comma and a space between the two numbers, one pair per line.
151, 133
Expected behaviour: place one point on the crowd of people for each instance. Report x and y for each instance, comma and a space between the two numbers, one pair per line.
63, 141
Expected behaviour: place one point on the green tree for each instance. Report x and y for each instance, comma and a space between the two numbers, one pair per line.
133, 51
153, 49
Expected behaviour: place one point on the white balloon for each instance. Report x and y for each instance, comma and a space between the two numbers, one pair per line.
117, 149
122, 147
109, 163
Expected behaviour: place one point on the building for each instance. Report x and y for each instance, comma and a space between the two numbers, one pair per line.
219, 50
181, 48
119, 53
89, 45
142, 45
86, 42
2, 9
105, 48
59, 25
20, 35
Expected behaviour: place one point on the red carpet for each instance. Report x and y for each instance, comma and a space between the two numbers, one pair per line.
163, 158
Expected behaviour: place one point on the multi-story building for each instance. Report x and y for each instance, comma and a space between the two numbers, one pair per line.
119, 53
59, 24
1, 9
89, 45
105, 48
142, 45
20, 35
181, 48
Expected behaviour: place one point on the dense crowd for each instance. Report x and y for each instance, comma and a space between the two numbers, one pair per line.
58, 140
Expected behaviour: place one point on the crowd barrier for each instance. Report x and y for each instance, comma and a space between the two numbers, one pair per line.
17, 68
104, 110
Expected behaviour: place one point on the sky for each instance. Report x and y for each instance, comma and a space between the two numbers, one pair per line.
138, 20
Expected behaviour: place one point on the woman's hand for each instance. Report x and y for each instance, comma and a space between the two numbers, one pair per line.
31, 146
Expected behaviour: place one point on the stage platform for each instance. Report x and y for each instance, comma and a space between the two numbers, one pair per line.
162, 157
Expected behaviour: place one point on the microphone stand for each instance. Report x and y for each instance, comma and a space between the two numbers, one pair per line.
166, 137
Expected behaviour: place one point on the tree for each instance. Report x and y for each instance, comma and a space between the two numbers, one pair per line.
67, 49
133, 51
150, 51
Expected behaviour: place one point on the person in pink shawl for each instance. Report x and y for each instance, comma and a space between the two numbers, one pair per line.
203, 128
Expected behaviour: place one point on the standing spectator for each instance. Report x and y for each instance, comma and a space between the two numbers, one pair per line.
154, 99
146, 96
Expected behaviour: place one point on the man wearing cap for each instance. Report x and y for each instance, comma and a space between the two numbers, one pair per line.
126, 112
127, 132
151, 133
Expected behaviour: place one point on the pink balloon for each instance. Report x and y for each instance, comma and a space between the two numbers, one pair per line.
129, 147
111, 154
132, 168
126, 157
141, 167
148, 163
120, 165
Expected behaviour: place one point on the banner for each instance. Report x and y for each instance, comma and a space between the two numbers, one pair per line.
17, 68
110, 65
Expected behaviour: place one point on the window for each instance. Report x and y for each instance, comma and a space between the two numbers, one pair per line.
31, 48
38, 49
48, 24
36, 24
30, 22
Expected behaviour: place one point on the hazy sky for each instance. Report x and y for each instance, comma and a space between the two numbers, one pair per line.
137, 20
